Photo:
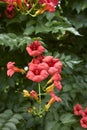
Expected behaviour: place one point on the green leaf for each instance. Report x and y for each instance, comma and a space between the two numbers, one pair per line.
29, 30
18, 116
79, 5
5, 128
9, 119
50, 16
73, 30
14, 120
67, 88
60, 126
6, 115
30, 123
10, 125
57, 126
67, 118
8, 112
42, 28
50, 125
2, 120
78, 128
64, 127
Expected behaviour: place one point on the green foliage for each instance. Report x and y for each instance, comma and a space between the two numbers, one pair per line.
79, 5
9, 120
14, 42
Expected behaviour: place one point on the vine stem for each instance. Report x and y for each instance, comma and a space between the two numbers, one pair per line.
39, 87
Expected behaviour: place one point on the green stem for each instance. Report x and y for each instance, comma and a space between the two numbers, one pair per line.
43, 94
39, 87
34, 5
44, 87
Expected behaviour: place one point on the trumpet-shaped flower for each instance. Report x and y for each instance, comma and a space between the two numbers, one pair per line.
17, 3
49, 5
10, 1
9, 12
54, 64
58, 85
38, 60
83, 122
58, 99
36, 73
56, 77
54, 2
12, 69
83, 113
34, 95
35, 48
77, 109
52, 100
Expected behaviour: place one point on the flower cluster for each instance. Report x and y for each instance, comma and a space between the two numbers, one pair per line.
31, 7
40, 68
79, 111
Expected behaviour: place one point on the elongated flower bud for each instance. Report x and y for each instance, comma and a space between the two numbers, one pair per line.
50, 88
26, 93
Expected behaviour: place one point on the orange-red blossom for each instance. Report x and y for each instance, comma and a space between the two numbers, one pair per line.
11, 69
51, 101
